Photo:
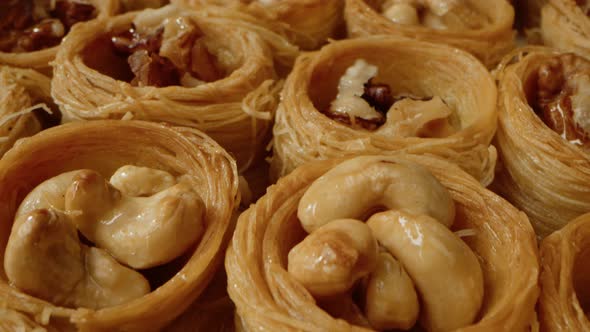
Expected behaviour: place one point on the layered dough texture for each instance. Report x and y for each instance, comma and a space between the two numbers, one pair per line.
382, 95
200, 69
113, 231
482, 28
382, 242
542, 136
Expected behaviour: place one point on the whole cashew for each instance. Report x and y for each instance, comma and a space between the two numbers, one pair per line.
141, 181
332, 258
44, 257
47, 195
140, 232
362, 185
445, 271
391, 301
343, 307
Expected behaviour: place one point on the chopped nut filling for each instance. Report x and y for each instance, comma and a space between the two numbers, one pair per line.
361, 103
562, 97
349, 106
174, 54
436, 14
28, 25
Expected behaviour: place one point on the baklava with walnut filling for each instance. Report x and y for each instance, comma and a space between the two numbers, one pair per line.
30, 30
204, 69
385, 94
543, 135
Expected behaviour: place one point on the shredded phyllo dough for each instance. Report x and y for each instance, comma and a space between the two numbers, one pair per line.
14, 321
379, 253
41, 106
466, 232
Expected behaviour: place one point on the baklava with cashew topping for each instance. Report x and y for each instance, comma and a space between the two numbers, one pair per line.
481, 27
382, 243
378, 95
564, 279
113, 225
202, 69
25, 105
31, 30
543, 136
565, 25
307, 23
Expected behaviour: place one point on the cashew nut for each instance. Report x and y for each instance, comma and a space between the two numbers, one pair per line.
391, 300
47, 195
402, 13
140, 232
362, 185
44, 257
332, 258
343, 307
445, 271
141, 181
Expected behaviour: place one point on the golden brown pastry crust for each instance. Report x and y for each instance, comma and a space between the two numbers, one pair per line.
488, 44
104, 146
307, 23
302, 133
564, 268
41, 59
235, 110
267, 297
540, 173
20, 90
565, 26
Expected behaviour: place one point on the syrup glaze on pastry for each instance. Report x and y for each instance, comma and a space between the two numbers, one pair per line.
363, 103
85, 235
412, 224
27, 25
173, 53
559, 92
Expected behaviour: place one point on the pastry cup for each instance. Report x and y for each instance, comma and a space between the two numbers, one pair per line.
307, 23
104, 146
564, 278
267, 297
303, 133
540, 173
235, 110
41, 59
488, 44
21, 91
565, 26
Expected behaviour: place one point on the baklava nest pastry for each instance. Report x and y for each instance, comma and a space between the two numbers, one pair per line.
382, 94
202, 69
32, 30
382, 242
112, 225
480, 27
564, 278
542, 136
25, 98
565, 25
306, 23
